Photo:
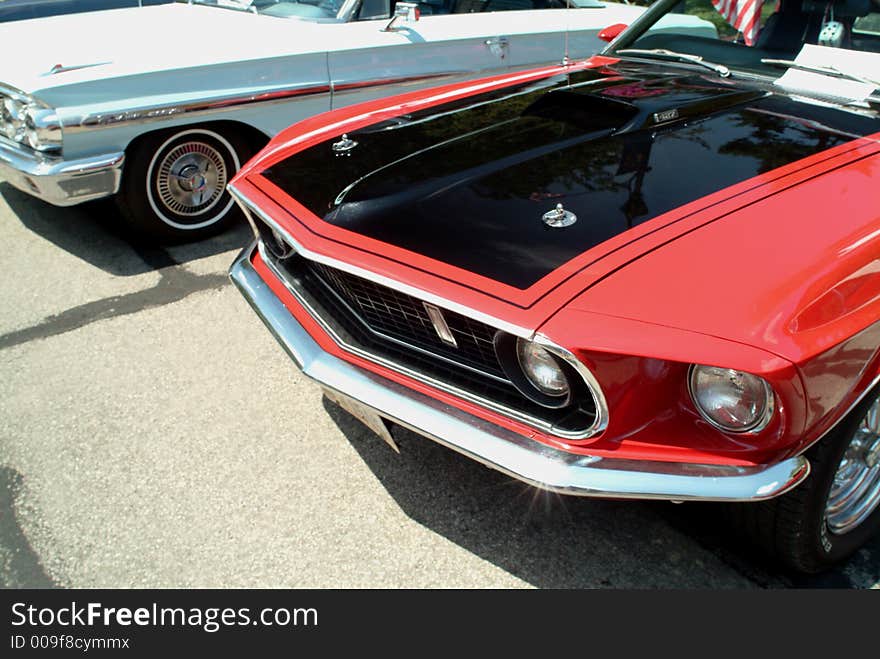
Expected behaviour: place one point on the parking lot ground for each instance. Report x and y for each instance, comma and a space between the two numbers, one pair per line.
152, 434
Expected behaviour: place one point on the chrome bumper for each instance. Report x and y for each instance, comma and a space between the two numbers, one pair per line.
58, 181
513, 454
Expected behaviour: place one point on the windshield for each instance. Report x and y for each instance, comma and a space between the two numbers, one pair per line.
303, 9
823, 47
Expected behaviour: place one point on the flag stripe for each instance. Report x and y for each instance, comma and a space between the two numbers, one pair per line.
744, 15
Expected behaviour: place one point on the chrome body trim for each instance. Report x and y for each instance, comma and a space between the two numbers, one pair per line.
599, 402
248, 206
149, 113
58, 181
501, 449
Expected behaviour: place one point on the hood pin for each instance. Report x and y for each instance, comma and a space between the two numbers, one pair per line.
559, 217
344, 146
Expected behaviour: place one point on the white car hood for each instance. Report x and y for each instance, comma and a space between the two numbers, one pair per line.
143, 39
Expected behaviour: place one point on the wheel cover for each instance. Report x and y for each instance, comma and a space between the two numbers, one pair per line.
855, 492
191, 178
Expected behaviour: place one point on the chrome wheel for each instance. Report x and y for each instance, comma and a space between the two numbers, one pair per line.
855, 492
191, 178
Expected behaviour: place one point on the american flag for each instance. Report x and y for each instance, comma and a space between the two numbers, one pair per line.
744, 15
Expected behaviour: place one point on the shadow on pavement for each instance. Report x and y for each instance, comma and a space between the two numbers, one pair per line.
552, 541
547, 540
20, 566
95, 233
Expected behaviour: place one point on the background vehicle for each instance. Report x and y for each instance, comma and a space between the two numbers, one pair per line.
19, 10
164, 107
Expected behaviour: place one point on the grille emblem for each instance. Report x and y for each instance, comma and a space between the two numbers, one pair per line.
665, 115
439, 323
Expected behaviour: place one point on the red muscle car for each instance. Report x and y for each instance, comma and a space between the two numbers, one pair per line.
654, 274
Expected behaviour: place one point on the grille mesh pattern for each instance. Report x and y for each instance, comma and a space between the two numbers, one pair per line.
395, 326
404, 318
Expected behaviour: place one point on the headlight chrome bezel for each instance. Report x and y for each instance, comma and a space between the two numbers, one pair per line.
42, 129
28, 122
507, 351
12, 119
762, 417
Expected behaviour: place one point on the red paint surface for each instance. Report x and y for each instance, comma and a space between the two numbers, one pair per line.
610, 33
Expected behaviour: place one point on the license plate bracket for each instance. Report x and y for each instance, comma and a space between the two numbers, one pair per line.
366, 415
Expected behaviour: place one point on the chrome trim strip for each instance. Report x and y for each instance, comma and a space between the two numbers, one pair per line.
416, 375
508, 452
155, 112
249, 206
342, 88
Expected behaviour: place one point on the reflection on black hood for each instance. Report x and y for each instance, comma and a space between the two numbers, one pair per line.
468, 183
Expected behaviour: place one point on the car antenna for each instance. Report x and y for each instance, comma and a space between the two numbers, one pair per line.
565, 59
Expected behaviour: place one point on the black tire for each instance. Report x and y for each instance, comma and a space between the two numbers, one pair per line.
152, 178
792, 528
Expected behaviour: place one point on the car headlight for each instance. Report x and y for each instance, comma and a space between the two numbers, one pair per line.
42, 129
542, 369
27, 121
732, 400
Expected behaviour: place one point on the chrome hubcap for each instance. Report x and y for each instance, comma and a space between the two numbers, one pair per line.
855, 492
191, 178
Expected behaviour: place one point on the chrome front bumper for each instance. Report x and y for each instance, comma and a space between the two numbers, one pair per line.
513, 454
58, 181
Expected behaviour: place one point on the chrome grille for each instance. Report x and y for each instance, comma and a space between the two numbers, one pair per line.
402, 317
394, 329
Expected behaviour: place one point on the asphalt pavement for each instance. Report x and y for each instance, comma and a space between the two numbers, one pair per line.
153, 434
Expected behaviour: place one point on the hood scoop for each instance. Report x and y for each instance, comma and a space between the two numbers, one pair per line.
633, 105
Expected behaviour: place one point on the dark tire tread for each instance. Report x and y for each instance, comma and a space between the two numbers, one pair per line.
789, 528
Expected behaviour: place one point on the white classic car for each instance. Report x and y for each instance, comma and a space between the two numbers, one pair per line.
159, 106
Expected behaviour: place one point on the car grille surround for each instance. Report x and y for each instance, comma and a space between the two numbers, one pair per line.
404, 318
393, 329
